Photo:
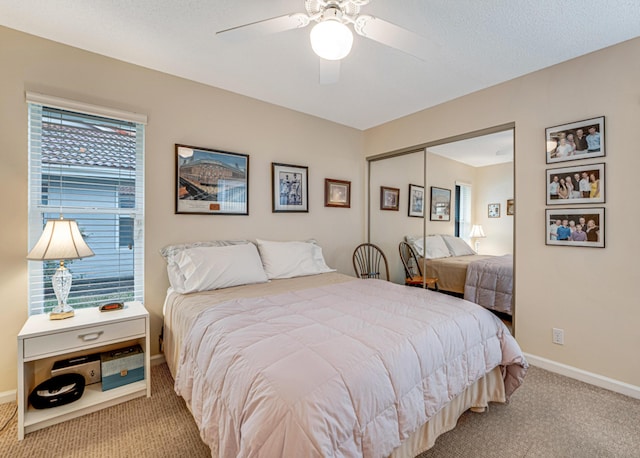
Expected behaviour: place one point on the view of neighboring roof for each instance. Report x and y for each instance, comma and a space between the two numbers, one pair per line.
78, 144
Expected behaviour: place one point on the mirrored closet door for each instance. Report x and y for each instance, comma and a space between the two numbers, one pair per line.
445, 187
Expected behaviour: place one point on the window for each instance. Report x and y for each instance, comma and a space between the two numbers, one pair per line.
88, 167
463, 212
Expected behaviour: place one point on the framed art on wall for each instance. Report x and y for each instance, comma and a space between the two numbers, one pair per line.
389, 198
493, 210
582, 184
576, 140
416, 200
511, 207
337, 193
575, 227
211, 182
440, 204
289, 188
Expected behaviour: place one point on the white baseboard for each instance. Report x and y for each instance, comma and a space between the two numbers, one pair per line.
157, 359
588, 377
8, 396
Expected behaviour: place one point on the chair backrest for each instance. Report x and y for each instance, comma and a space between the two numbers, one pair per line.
409, 260
369, 260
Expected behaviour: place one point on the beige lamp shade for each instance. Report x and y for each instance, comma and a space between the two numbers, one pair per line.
61, 239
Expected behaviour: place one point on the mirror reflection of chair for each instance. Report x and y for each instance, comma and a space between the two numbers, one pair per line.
412, 269
369, 262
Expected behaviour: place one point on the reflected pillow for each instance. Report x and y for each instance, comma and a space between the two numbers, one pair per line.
291, 259
205, 268
457, 246
431, 247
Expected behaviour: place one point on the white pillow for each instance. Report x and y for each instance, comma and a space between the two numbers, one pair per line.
434, 247
457, 246
213, 267
291, 259
171, 252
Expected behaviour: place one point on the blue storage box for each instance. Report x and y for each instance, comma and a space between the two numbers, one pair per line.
122, 366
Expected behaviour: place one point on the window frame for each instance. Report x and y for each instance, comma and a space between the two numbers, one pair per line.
463, 211
39, 210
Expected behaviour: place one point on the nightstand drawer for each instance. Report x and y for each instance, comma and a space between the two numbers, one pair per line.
66, 341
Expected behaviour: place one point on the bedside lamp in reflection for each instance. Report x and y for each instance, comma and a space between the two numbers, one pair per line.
477, 233
60, 240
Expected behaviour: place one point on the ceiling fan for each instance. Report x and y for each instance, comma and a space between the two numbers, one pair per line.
331, 38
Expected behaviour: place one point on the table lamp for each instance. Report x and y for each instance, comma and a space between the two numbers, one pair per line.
477, 233
61, 239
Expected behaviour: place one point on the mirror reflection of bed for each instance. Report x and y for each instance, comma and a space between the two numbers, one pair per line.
486, 280
478, 170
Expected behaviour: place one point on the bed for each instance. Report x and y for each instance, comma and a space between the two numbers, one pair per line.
328, 365
482, 279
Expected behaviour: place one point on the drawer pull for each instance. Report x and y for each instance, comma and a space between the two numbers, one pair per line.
90, 337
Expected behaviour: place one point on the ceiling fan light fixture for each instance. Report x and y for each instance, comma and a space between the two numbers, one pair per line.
331, 39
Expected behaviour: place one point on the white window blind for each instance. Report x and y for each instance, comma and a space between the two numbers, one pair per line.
91, 169
465, 211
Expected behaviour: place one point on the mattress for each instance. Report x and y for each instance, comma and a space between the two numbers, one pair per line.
451, 272
203, 330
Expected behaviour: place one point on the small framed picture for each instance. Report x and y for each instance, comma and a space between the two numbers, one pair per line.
582, 184
211, 182
440, 204
511, 207
576, 140
337, 193
416, 200
389, 198
575, 227
494, 210
289, 188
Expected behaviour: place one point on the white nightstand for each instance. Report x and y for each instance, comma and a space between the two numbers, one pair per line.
43, 341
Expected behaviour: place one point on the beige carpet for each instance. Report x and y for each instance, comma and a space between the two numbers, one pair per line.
159, 426
550, 416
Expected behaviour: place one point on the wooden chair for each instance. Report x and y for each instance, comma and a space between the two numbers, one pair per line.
369, 260
412, 269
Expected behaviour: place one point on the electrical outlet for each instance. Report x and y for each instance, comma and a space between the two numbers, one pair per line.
558, 336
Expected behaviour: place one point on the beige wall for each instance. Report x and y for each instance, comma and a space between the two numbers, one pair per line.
179, 111
494, 184
597, 306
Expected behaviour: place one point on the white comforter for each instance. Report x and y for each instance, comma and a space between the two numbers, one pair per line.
342, 370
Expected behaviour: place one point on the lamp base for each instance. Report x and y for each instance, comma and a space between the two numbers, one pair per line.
61, 282
61, 315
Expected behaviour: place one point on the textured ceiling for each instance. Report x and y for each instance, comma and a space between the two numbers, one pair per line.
471, 44
480, 151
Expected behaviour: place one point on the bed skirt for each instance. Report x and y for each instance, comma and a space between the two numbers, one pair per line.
488, 389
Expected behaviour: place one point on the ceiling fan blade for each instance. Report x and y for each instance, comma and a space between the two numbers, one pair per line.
329, 71
392, 35
268, 26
